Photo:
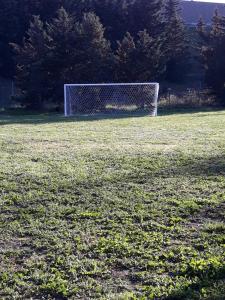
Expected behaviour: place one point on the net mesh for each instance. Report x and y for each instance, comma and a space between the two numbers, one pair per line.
110, 98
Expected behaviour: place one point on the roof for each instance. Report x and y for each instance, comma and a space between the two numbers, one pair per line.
193, 10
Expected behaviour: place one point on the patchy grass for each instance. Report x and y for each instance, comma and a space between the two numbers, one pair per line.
103, 208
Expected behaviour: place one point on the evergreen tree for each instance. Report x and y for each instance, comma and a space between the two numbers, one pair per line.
145, 14
94, 58
125, 70
176, 45
149, 57
15, 17
61, 57
114, 14
141, 55
61, 51
78, 8
73, 43
32, 76
80, 51
213, 56
141, 59
8, 33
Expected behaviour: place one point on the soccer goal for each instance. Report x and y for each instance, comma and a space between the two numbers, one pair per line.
111, 98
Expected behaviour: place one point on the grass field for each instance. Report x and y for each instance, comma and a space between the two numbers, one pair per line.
103, 208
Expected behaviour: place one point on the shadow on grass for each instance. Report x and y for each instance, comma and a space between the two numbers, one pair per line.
209, 285
201, 166
7, 118
33, 118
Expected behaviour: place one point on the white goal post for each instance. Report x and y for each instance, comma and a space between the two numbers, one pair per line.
110, 98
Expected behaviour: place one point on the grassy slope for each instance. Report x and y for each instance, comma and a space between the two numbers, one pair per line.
129, 208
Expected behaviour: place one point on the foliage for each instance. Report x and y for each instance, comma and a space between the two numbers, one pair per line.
176, 42
31, 57
212, 54
139, 60
148, 15
81, 43
45, 64
15, 17
8, 20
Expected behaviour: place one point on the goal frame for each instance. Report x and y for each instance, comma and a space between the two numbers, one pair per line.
156, 84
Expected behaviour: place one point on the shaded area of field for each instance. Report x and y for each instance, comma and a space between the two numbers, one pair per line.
115, 208
21, 116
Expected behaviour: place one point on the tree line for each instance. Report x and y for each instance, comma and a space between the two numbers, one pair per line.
213, 55
46, 43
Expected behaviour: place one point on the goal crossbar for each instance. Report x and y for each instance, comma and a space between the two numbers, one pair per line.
110, 84
71, 98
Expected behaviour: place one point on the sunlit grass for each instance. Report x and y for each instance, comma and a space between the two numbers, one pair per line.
112, 208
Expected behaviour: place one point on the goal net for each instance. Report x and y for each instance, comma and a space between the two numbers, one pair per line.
110, 98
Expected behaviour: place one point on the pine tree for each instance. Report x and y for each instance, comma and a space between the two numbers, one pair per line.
140, 59
115, 18
145, 14
176, 44
8, 33
143, 48
63, 45
114, 14
15, 17
213, 57
73, 43
78, 8
61, 51
125, 59
95, 58
32, 76
149, 57
47, 9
